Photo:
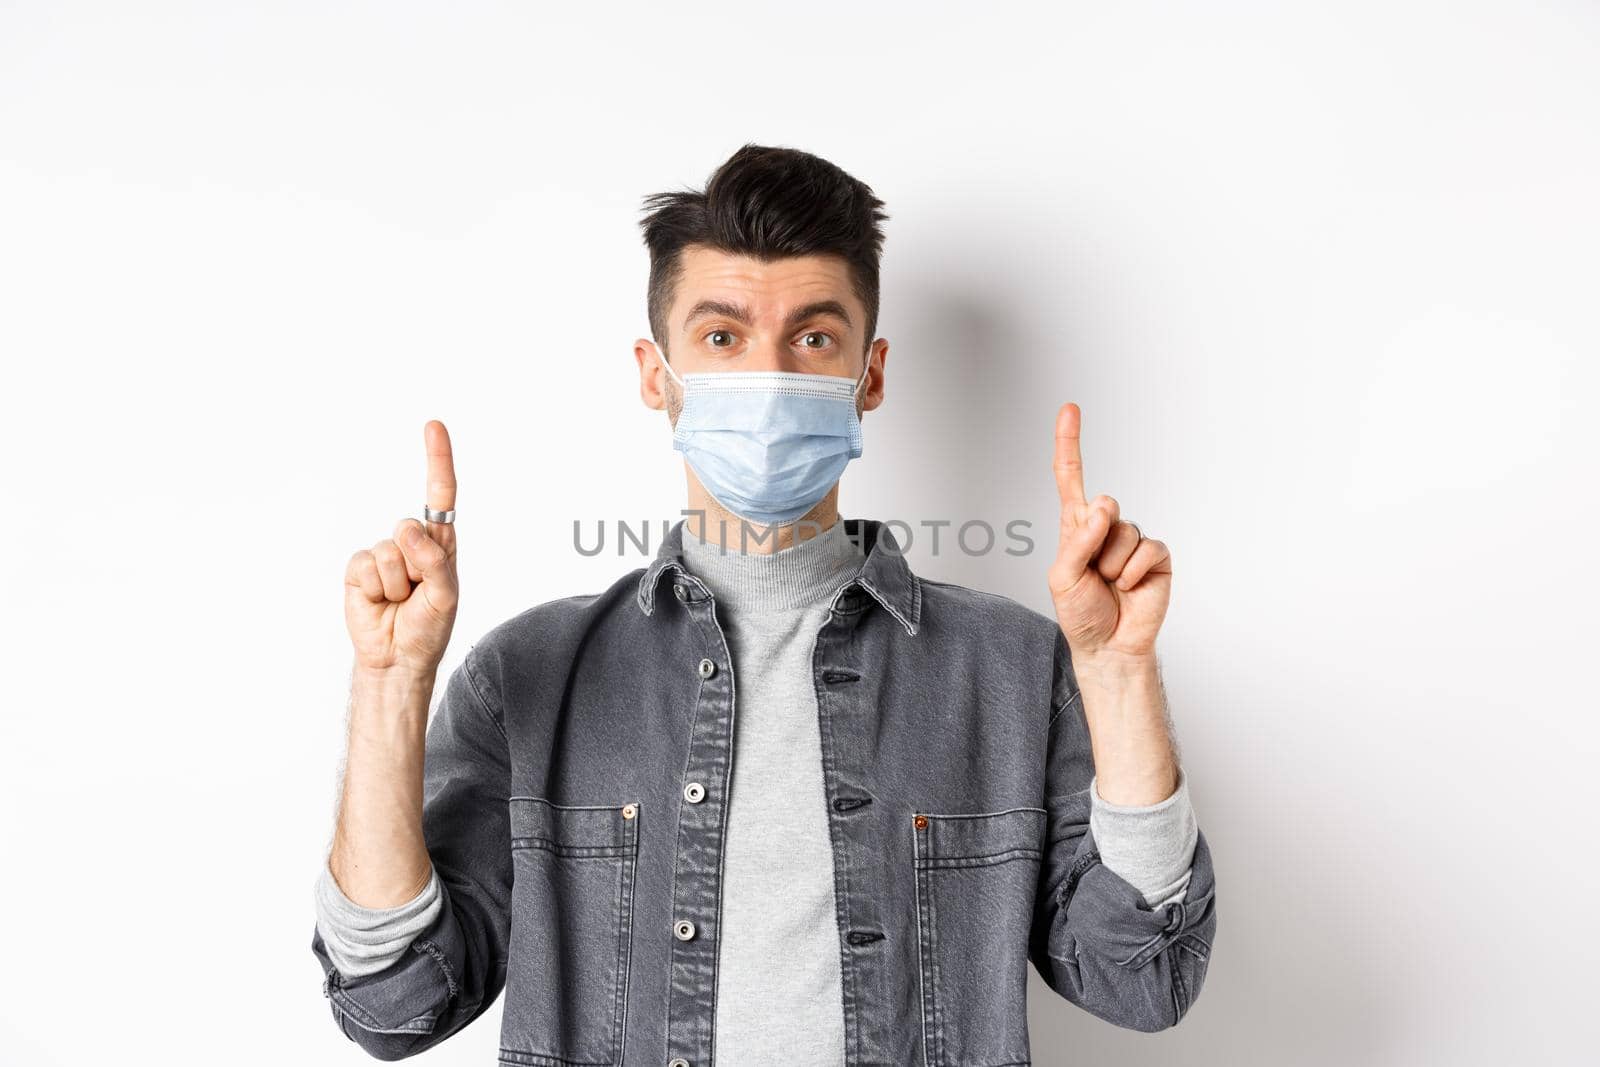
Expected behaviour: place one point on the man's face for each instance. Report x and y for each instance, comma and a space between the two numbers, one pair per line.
737, 313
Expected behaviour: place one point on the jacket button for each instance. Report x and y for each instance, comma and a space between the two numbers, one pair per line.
921, 821
683, 929
629, 811
680, 590
707, 668
694, 792
678, 1062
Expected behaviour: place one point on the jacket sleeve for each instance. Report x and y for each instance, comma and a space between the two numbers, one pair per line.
455, 967
1095, 940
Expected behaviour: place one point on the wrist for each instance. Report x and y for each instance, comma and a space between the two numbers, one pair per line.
396, 678
390, 706
1108, 668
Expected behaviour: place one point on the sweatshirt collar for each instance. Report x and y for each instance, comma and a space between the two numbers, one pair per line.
803, 574
884, 575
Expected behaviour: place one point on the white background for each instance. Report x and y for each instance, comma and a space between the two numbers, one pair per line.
1322, 277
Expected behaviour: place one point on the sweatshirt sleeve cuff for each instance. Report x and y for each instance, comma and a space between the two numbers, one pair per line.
1150, 845
362, 940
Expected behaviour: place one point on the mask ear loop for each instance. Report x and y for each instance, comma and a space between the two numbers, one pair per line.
670, 372
864, 371
855, 417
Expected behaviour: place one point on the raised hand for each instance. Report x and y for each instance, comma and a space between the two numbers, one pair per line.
1109, 583
400, 595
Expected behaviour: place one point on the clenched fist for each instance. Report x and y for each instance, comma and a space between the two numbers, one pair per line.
400, 595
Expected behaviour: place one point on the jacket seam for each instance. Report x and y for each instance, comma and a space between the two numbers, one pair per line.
437, 955
1076, 695
358, 1014
1079, 867
844, 918
1149, 950
472, 684
727, 779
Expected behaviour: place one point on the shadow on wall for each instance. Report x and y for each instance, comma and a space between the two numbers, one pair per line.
967, 431
975, 382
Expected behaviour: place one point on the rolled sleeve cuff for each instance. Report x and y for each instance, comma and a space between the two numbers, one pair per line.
1150, 845
413, 991
1108, 914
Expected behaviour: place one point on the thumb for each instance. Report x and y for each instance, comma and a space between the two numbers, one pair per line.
426, 559
1079, 544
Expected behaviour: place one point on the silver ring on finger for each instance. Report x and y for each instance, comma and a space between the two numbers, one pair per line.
448, 515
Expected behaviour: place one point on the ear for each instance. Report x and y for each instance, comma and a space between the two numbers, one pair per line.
877, 355
649, 359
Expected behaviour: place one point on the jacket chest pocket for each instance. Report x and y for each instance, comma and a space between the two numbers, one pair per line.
977, 876
571, 931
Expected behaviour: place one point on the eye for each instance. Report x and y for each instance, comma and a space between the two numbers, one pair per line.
720, 333
826, 340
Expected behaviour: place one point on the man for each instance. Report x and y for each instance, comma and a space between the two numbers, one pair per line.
774, 797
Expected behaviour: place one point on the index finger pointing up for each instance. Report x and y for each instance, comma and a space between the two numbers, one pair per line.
1069, 461
441, 470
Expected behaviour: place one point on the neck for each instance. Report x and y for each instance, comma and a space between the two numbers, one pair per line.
715, 524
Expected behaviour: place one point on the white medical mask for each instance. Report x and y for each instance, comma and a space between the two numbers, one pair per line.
768, 445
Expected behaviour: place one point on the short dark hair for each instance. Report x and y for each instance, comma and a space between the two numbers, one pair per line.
768, 202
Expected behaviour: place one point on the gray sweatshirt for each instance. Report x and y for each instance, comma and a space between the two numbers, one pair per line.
778, 901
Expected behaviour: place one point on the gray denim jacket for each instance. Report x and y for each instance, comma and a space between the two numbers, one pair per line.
575, 797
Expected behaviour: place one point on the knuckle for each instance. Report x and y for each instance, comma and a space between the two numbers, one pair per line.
360, 569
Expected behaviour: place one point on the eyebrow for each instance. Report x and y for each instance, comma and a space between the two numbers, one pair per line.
741, 315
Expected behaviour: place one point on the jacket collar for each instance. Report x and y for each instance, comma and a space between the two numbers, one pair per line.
885, 575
